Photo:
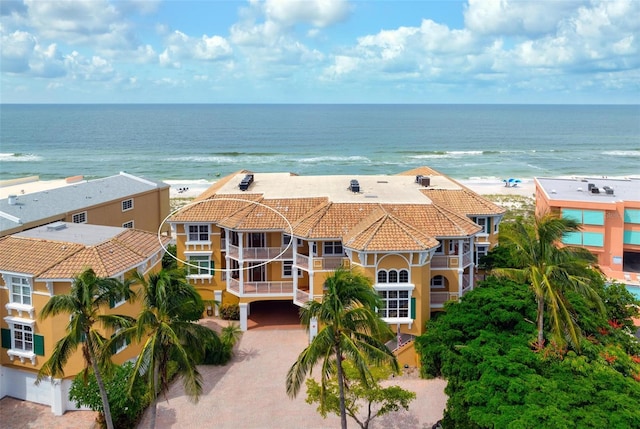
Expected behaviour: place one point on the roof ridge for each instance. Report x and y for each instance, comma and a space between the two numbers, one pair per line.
450, 214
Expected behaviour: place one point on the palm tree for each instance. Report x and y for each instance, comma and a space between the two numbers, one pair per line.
168, 335
85, 303
351, 330
550, 269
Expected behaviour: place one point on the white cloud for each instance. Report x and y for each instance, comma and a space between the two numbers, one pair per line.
89, 69
179, 46
16, 50
319, 13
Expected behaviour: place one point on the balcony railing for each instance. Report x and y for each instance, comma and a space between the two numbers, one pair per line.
302, 297
261, 288
451, 261
439, 298
321, 264
260, 253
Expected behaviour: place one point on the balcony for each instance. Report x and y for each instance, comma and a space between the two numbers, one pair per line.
260, 288
439, 298
321, 264
260, 253
451, 261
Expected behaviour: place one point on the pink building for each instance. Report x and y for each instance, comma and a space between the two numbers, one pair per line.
609, 212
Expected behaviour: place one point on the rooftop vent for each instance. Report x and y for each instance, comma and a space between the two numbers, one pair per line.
354, 186
590, 186
246, 182
595, 190
608, 191
56, 226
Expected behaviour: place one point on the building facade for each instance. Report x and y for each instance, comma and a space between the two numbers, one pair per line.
41, 262
122, 200
277, 236
608, 211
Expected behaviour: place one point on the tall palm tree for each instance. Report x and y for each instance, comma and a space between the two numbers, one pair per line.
351, 329
85, 303
168, 335
550, 269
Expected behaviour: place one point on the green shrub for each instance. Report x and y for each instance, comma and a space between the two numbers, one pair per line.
230, 312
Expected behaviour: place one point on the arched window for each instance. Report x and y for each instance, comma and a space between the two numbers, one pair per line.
382, 276
393, 276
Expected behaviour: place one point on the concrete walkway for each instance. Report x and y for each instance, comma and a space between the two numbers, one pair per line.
249, 392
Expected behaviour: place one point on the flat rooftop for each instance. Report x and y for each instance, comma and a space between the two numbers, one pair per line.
577, 189
373, 188
79, 233
49, 202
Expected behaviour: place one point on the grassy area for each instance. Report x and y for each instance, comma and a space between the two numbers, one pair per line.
176, 203
517, 206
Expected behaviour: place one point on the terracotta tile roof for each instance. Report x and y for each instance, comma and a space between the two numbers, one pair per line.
215, 208
433, 220
32, 256
421, 171
258, 217
463, 201
63, 260
333, 221
387, 233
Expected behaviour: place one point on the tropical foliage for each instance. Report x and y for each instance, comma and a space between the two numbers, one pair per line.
481, 345
351, 330
124, 411
363, 403
89, 296
551, 271
168, 336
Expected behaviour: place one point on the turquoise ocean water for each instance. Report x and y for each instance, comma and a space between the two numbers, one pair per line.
168, 142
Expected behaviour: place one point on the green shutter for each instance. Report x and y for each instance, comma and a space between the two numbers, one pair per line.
212, 266
112, 302
114, 348
6, 338
38, 345
413, 308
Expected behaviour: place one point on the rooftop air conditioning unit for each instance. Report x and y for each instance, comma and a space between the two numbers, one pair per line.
354, 186
595, 190
246, 182
418, 177
609, 191
590, 186
425, 181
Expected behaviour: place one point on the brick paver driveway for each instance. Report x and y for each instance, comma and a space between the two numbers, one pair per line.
249, 392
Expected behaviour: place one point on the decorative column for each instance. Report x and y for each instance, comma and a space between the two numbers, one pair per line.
244, 310
217, 296
58, 405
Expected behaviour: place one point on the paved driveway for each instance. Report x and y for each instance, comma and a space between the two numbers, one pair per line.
249, 392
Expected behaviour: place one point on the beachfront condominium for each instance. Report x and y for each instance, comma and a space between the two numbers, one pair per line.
608, 211
122, 200
276, 236
42, 262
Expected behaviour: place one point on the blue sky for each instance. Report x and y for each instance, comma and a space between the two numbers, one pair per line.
320, 51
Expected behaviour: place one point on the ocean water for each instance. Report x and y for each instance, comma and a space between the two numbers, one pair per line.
202, 142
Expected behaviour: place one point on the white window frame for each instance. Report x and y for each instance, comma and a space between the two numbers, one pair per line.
452, 247
80, 217
120, 346
286, 239
203, 272
397, 273
496, 225
483, 222
481, 250
23, 352
440, 249
437, 285
330, 248
287, 269
395, 289
128, 224
199, 233
128, 203
24, 291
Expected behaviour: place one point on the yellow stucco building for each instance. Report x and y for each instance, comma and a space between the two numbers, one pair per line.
41, 262
277, 236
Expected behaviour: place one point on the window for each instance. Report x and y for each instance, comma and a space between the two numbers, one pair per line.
438, 282
22, 337
332, 248
496, 229
453, 247
120, 344
483, 222
286, 239
256, 239
198, 233
396, 303
287, 269
79, 218
127, 205
201, 265
481, 251
393, 276
439, 249
20, 290
128, 224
